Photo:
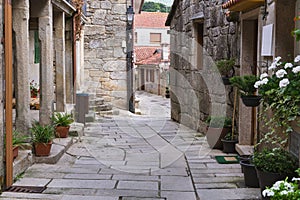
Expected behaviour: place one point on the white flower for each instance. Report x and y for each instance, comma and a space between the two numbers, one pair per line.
297, 58
277, 59
263, 75
280, 73
288, 65
284, 192
284, 82
273, 66
268, 192
296, 69
264, 81
296, 179
257, 84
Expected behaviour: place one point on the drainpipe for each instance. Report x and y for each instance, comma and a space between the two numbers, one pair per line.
8, 91
74, 55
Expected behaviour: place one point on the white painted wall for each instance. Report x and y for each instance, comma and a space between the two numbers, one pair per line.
143, 36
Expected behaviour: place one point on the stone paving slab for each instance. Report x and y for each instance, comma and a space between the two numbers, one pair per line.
74, 183
107, 163
138, 185
30, 196
38, 182
176, 183
229, 194
174, 195
215, 185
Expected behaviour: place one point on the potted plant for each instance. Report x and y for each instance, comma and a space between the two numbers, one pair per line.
229, 142
284, 189
273, 165
34, 89
217, 128
245, 84
250, 174
62, 123
281, 98
19, 141
167, 92
42, 136
226, 69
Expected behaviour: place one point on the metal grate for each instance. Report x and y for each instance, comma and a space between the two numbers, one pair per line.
25, 189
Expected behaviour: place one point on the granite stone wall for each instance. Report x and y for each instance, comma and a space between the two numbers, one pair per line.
105, 61
197, 91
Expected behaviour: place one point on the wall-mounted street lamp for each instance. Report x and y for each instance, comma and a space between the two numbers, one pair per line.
129, 58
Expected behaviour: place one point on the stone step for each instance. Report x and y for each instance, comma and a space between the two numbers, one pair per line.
76, 129
109, 112
104, 107
90, 117
22, 162
96, 101
59, 147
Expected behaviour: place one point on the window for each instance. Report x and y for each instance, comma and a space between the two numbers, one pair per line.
155, 38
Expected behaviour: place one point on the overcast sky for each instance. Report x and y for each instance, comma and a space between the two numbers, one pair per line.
167, 2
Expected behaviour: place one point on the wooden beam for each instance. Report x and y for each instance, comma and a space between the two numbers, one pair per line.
8, 92
246, 5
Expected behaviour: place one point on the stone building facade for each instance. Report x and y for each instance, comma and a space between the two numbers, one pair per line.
200, 35
105, 56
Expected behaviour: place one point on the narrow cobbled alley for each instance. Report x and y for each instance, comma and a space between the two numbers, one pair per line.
137, 157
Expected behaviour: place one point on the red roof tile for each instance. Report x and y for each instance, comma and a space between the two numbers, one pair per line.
150, 20
229, 3
146, 56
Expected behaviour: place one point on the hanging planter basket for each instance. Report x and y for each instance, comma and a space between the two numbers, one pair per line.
251, 101
225, 80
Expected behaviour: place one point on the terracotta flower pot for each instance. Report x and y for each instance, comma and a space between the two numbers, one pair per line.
62, 131
15, 151
42, 149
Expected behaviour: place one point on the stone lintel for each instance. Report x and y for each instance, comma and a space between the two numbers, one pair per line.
64, 6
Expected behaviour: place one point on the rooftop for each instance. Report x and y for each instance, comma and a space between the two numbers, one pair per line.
150, 20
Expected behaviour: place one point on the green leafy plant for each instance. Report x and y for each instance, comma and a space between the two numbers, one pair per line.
281, 95
42, 133
245, 84
62, 119
230, 136
219, 122
225, 66
275, 160
296, 31
284, 189
20, 140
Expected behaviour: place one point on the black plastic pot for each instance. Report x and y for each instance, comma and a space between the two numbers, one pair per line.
251, 101
225, 80
229, 145
267, 179
250, 175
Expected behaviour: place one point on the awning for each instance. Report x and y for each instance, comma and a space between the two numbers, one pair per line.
242, 5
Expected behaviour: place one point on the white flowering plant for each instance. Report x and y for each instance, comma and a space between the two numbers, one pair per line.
280, 91
284, 190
